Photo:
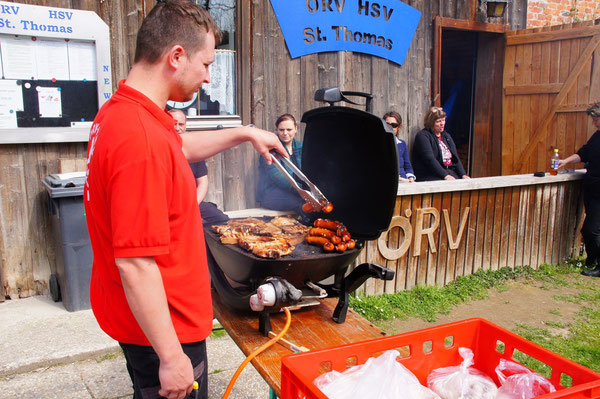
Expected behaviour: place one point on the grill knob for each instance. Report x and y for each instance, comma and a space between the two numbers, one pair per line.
266, 294
255, 304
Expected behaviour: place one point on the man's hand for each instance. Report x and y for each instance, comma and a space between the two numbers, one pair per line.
449, 177
175, 375
465, 177
264, 141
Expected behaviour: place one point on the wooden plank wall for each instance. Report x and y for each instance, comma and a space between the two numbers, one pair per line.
551, 75
269, 83
507, 226
274, 83
26, 248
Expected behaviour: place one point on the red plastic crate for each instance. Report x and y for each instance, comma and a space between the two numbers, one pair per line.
432, 348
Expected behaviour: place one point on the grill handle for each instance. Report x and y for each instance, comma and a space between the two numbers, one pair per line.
368, 98
333, 95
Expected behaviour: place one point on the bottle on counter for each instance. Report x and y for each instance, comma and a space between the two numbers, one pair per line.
554, 163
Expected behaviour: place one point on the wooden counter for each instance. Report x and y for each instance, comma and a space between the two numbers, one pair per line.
445, 229
311, 327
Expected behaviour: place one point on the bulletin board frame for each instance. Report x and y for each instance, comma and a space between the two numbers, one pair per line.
32, 21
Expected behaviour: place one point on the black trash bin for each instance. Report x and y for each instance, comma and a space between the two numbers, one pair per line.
72, 242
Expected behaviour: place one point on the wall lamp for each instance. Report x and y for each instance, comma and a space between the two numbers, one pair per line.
496, 8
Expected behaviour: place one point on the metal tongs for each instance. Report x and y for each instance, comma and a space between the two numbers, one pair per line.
314, 197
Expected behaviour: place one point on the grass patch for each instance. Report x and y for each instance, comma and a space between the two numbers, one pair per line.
109, 356
581, 344
427, 302
555, 324
218, 331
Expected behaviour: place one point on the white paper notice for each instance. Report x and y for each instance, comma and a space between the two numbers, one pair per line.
18, 58
52, 59
82, 61
50, 102
11, 95
8, 118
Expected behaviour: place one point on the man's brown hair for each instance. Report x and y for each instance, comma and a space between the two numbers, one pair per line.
173, 22
432, 115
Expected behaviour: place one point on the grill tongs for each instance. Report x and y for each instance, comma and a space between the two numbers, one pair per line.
313, 196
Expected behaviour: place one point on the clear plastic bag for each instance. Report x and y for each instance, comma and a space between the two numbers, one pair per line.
382, 377
462, 382
518, 382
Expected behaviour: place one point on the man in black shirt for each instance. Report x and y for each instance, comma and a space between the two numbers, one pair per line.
590, 154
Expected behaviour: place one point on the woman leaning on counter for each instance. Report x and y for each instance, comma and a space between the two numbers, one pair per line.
405, 169
590, 154
434, 155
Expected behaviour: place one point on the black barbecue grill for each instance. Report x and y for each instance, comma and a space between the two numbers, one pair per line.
350, 155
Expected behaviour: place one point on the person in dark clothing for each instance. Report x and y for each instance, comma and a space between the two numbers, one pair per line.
590, 154
405, 169
209, 211
434, 155
274, 191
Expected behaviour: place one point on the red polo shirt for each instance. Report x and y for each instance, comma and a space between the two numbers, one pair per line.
140, 200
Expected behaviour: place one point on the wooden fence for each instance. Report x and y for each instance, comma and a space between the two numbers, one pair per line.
551, 75
444, 230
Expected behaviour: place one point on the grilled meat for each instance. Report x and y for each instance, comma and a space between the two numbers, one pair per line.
265, 247
264, 239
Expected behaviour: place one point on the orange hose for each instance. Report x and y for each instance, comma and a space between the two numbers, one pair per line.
251, 356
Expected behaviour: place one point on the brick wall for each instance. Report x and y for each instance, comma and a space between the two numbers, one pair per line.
556, 12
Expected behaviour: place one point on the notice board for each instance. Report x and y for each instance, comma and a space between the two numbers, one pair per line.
55, 65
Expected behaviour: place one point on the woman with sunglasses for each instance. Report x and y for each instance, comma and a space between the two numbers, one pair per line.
434, 152
590, 154
405, 169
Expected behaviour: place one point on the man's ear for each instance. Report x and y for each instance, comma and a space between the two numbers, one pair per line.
175, 55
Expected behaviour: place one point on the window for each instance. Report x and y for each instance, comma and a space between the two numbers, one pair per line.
218, 97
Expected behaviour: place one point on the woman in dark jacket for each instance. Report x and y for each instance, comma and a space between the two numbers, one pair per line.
434, 155
590, 154
274, 191
405, 169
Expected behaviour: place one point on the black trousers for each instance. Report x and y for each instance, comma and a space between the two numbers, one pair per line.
591, 226
143, 363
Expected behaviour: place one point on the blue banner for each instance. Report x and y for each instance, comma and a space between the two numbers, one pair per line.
384, 28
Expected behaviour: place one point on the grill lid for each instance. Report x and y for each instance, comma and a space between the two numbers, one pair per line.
351, 156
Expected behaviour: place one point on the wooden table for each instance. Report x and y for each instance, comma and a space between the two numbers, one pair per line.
311, 327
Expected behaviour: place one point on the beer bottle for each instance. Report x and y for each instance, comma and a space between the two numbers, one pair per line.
554, 163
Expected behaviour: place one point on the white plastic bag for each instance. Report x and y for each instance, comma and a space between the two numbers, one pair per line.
462, 382
382, 377
518, 382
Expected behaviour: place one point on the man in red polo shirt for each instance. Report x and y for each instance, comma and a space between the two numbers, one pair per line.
150, 288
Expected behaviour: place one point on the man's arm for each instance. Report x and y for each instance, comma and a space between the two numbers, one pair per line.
575, 158
201, 188
143, 286
198, 146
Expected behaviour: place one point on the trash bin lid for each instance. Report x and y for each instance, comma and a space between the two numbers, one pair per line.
64, 184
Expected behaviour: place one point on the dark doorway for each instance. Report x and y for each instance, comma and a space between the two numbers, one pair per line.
457, 83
